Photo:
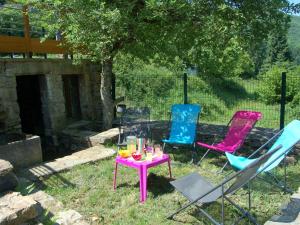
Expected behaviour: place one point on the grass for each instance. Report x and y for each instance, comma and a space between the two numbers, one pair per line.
88, 189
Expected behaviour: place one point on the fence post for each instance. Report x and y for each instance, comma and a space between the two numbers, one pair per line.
185, 94
282, 100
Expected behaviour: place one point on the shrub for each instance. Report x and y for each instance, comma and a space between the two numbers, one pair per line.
270, 90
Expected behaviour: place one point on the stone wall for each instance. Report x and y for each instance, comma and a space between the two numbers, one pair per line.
52, 96
2, 117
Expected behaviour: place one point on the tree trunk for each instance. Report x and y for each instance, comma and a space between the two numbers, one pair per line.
105, 92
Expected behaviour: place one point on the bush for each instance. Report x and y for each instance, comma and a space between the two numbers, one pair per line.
270, 91
294, 107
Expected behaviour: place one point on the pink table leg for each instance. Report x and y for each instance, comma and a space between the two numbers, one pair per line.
169, 164
140, 170
144, 183
115, 176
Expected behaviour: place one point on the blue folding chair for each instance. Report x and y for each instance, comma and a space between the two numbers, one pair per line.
288, 137
184, 120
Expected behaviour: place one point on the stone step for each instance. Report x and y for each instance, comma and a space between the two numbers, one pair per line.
104, 137
92, 154
16, 209
91, 138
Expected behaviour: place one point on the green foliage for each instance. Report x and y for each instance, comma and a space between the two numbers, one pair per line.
11, 22
278, 50
294, 38
270, 92
215, 35
294, 106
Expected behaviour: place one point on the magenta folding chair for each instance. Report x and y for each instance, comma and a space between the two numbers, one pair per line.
240, 126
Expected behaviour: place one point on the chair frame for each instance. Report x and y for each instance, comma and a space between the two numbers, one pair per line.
277, 182
223, 197
241, 144
194, 142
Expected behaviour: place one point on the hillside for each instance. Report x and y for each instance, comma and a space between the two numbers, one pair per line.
294, 38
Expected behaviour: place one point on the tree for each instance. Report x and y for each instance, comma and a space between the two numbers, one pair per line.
278, 49
197, 31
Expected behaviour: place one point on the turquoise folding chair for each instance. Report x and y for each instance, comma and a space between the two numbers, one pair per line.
184, 120
288, 137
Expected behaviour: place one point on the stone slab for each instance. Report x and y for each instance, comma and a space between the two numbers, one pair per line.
16, 209
296, 221
290, 213
85, 156
23, 153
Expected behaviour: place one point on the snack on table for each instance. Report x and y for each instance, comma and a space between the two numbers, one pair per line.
136, 156
124, 153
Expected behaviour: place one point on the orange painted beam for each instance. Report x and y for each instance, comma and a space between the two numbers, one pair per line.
12, 44
47, 46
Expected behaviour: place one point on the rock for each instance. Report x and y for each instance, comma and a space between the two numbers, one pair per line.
16, 209
46, 202
290, 160
5, 167
8, 180
70, 217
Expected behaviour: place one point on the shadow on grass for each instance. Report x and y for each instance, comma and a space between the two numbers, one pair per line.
229, 91
159, 185
156, 184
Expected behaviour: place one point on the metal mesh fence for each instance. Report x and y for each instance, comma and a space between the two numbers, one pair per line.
219, 98
158, 93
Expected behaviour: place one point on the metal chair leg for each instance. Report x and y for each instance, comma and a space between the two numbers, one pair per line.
193, 161
243, 211
203, 156
222, 169
164, 145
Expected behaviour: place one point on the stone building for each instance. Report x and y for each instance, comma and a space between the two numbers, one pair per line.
43, 96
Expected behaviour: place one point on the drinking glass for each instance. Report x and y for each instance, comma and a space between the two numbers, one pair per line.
149, 156
158, 150
131, 144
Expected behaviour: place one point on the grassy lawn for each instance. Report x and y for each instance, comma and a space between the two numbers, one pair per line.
88, 189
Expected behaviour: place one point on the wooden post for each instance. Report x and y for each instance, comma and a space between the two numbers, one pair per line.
27, 31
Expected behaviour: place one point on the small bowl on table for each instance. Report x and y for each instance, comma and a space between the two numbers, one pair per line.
124, 153
136, 156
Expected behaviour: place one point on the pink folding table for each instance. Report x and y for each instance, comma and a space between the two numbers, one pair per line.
142, 167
